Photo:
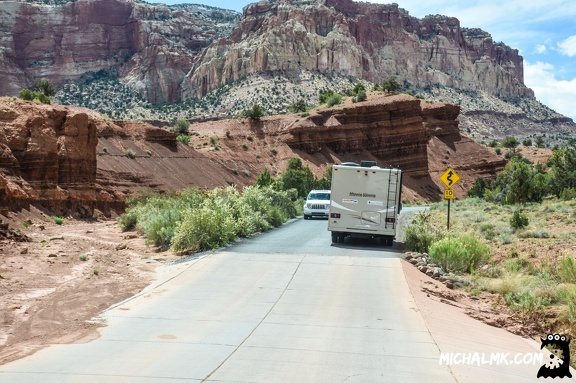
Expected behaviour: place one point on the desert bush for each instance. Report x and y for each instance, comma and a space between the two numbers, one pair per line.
568, 194
255, 112
335, 99
390, 85
518, 220
181, 126
214, 142
26, 94
58, 219
130, 154
183, 220
526, 302
477, 190
567, 270
325, 95
510, 142
45, 87
298, 106
421, 233
183, 138
461, 254
206, 227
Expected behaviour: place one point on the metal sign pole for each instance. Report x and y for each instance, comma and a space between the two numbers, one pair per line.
448, 223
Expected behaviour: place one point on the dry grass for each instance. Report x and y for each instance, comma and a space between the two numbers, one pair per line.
532, 269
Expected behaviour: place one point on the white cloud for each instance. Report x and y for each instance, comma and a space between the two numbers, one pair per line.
568, 46
541, 49
552, 92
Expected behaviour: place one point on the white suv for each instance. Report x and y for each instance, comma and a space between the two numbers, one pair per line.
317, 204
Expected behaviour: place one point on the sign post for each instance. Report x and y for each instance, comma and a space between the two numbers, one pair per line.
449, 178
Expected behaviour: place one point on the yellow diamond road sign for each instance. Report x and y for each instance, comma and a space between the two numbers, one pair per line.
449, 177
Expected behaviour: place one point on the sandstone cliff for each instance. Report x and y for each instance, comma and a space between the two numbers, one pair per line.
71, 160
164, 53
360, 40
274, 54
151, 46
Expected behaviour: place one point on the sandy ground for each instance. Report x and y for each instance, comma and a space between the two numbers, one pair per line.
55, 278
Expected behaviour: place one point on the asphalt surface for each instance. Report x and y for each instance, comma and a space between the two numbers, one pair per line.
285, 306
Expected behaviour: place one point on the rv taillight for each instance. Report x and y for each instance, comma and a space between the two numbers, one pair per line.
334, 215
390, 220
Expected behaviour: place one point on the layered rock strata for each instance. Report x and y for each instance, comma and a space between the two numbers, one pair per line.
361, 40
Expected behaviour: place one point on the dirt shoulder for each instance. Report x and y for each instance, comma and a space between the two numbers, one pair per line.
55, 278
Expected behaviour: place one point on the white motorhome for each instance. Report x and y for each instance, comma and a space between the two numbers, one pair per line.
365, 202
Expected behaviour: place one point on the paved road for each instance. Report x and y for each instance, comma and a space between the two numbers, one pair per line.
286, 306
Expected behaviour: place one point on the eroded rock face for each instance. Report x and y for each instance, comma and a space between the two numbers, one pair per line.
151, 46
358, 39
47, 156
70, 160
401, 131
169, 54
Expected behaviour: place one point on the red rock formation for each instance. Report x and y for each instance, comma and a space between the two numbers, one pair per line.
165, 53
48, 156
70, 160
151, 46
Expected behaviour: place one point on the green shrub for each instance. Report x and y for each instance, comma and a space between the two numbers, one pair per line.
361, 96
477, 190
298, 106
518, 220
335, 99
130, 154
42, 98
128, 220
197, 220
510, 142
58, 220
488, 230
207, 227
183, 138
26, 94
45, 87
462, 254
421, 233
391, 85
567, 270
254, 113
526, 302
214, 142
325, 95
568, 194
181, 126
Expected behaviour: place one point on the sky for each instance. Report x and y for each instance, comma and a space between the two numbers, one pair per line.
544, 32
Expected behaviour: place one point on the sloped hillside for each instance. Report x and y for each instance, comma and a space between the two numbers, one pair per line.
72, 160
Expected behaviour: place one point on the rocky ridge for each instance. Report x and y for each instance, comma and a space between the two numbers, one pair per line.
71, 160
157, 62
360, 40
150, 46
